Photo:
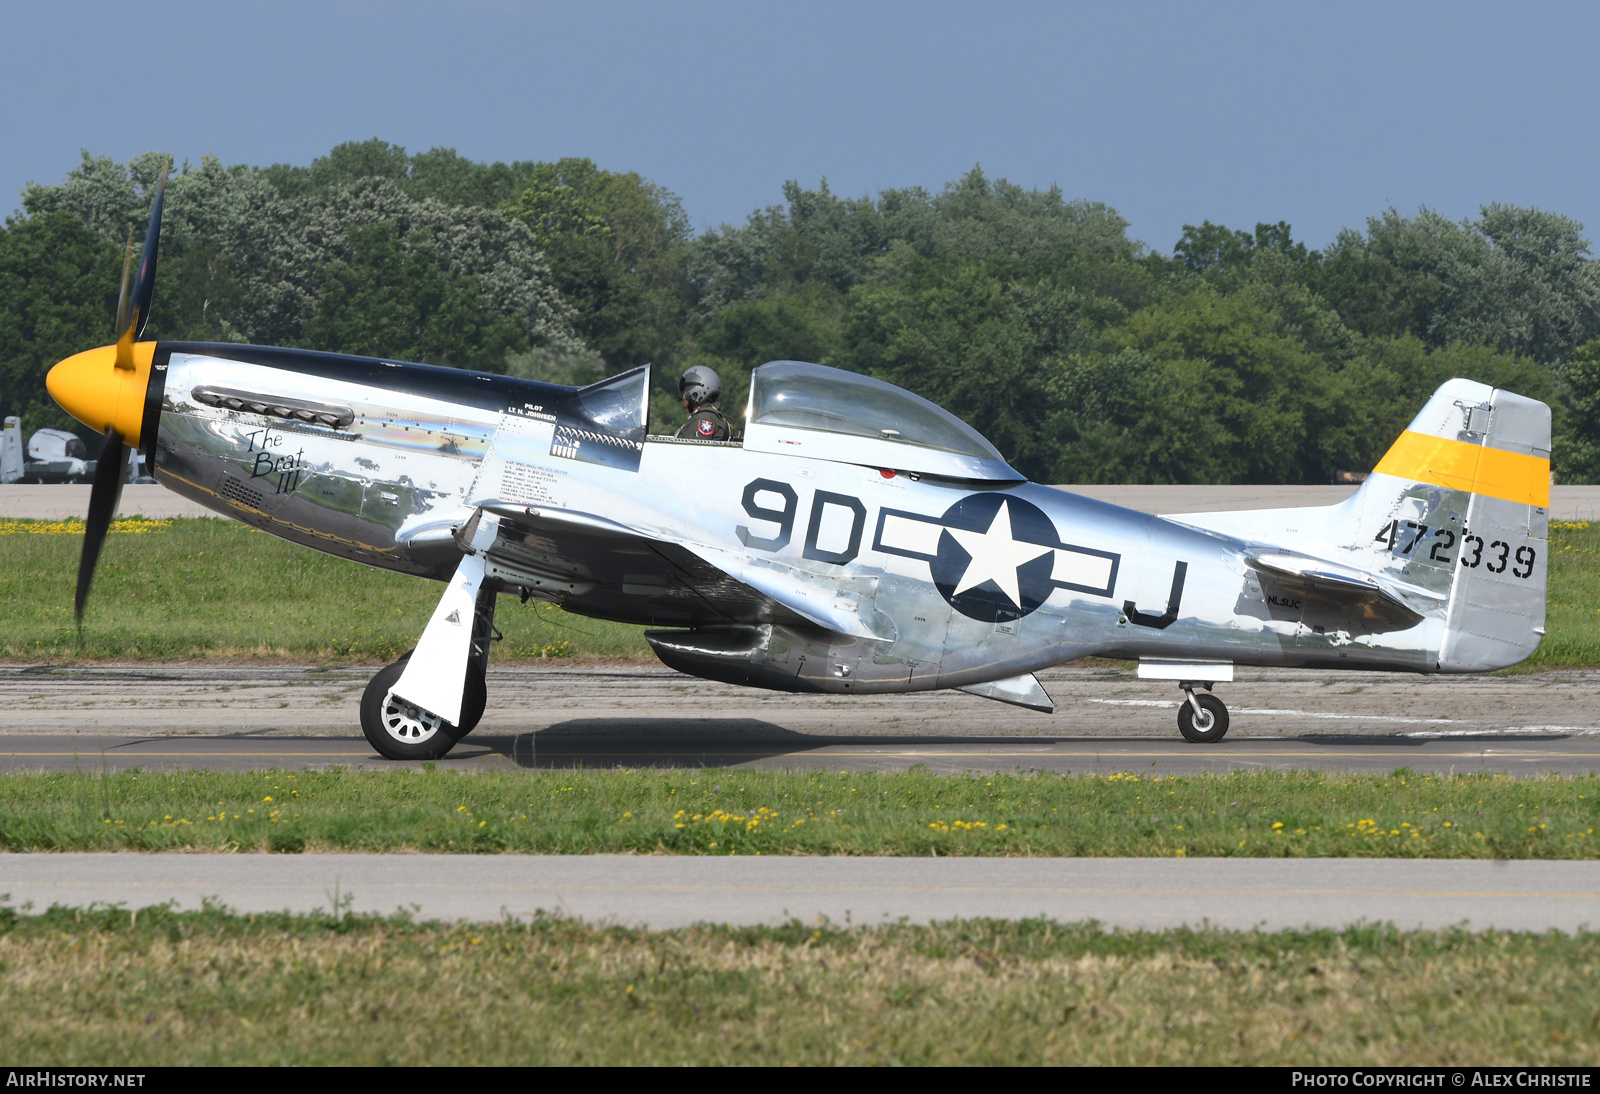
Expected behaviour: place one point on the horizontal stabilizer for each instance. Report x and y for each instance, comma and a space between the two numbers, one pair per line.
1019, 691
1342, 585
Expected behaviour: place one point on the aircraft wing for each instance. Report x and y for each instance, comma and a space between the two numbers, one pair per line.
610, 570
1381, 601
817, 602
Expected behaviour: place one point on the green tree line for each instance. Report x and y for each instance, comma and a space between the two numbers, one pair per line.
1241, 356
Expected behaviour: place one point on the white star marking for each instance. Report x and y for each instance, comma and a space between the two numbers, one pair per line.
996, 554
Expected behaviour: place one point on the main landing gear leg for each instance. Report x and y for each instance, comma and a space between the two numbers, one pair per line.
418, 708
1202, 719
398, 729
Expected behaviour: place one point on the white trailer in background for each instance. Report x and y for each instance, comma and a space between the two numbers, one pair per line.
52, 456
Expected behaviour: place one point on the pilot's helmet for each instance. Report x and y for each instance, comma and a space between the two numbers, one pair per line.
700, 385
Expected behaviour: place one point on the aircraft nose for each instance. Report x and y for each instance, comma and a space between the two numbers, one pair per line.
91, 388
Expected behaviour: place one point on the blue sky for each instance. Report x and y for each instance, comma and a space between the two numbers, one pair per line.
1318, 114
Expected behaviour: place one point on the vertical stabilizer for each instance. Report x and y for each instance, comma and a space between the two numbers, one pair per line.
1487, 452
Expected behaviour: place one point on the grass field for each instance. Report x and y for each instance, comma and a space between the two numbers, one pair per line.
1572, 604
112, 987
726, 812
217, 590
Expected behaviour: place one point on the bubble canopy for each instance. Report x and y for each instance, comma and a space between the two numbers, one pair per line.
795, 395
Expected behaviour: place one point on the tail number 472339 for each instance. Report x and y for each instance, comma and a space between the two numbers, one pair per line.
1403, 537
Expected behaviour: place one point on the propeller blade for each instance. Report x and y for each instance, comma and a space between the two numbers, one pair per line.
122, 298
103, 499
144, 288
131, 319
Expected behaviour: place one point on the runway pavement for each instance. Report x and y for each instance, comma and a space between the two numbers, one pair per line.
249, 717
673, 891
482, 752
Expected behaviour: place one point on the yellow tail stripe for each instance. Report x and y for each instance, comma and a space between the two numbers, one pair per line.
1477, 469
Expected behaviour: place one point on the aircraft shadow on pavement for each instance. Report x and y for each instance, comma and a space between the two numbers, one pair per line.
692, 742
1395, 740
720, 742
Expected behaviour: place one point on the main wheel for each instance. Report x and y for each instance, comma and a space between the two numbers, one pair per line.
398, 730
1209, 726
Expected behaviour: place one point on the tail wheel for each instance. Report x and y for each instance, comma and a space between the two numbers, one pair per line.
1206, 727
398, 730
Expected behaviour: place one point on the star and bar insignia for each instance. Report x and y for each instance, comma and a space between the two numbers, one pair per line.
995, 557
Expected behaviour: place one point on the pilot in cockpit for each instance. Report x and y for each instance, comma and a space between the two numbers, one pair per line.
700, 388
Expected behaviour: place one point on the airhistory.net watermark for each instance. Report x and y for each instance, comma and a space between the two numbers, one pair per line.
53, 1078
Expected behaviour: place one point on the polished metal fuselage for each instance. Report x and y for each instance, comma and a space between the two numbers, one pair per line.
816, 574
384, 490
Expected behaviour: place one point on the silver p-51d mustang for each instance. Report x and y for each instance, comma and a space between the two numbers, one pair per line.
858, 539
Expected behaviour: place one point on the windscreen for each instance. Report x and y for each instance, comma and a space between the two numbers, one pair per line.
618, 403
805, 396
